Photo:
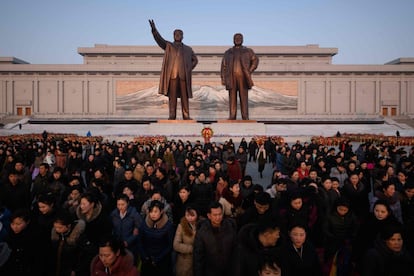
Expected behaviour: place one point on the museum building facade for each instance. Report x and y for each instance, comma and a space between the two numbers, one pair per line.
122, 81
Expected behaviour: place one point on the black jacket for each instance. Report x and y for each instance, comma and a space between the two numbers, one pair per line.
308, 264
215, 249
381, 261
251, 251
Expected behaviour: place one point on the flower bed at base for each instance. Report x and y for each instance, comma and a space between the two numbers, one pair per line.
50, 137
208, 133
73, 137
365, 138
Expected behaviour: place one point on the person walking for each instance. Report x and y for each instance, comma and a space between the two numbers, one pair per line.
261, 160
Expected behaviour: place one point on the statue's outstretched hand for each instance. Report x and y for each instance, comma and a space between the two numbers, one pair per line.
152, 24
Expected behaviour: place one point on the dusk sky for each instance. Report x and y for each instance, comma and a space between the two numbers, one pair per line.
364, 31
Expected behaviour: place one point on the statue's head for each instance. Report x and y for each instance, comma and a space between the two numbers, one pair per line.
178, 35
238, 39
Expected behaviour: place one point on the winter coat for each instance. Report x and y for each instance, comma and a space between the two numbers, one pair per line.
66, 249
339, 230
97, 227
381, 261
369, 231
232, 206
342, 176
202, 194
296, 265
358, 198
156, 239
44, 225
183, 245
215, 249
123, 266
252, 251
234, 171
23, 259
15, 196
179, 208
124, 227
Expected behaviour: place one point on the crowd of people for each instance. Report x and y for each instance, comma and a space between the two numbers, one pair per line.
85, 207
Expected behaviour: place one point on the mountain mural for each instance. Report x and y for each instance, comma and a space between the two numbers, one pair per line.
207, 99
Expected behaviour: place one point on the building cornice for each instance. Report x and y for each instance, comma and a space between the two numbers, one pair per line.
155, 69
105, 50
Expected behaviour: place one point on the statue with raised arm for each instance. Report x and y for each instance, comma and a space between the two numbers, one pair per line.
237, 66
175, 80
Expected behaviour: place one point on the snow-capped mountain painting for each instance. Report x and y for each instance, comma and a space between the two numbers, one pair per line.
207, 101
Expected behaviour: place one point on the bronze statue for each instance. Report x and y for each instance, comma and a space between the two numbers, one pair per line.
175, 80
237, 65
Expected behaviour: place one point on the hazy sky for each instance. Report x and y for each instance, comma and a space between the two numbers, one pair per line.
364, 31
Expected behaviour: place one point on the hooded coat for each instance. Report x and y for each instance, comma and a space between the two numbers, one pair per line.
183, 245
66, 248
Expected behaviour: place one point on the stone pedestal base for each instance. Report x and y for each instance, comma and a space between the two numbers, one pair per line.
176, 128
176, 121
235, 121
238, 128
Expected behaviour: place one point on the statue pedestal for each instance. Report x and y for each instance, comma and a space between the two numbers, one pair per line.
176, 121
176, 127
238, 128
235, 121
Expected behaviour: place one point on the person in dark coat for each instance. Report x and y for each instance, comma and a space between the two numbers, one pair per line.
44, 217
260, 211
340, 230
66, 236
183, 199
156, 237
389, 256
299, 256
202, 195
357, 194
98, 226
126, 222
380, 219
14, 194
257, 242
23, 243
215, 245
407, 208
252, 147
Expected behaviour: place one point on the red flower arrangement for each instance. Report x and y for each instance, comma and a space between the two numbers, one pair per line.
207, 133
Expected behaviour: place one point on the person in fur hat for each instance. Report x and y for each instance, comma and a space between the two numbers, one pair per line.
66, 236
